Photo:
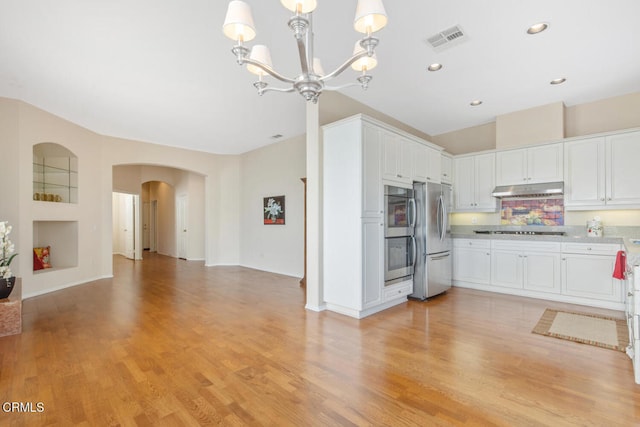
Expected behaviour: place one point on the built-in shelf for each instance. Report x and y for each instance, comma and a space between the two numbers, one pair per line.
55, 174
62, 238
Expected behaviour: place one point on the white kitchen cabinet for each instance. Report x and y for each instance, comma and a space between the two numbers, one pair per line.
397, 152
398, 290
372, 190
353, 231
372, 268
446, 168
420, 162
426, 163
571, 272
434, 165
532, 266
587, 271
531, 165
472, 261
473, 183
602, 172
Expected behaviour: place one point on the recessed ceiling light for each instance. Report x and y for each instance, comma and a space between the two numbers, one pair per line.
558, 81
434, 67
537, 28
475, 103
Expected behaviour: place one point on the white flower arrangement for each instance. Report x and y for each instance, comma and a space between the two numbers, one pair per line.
6, 250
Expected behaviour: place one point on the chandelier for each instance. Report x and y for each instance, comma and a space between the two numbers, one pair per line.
239, 27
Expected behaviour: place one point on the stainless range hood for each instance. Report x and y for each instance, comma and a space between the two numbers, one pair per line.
547, 189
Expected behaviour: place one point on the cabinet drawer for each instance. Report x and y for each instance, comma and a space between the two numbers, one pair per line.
525, 245
591, 248
397, 291
472, 243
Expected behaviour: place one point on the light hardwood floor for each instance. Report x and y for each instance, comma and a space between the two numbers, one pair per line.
171, 342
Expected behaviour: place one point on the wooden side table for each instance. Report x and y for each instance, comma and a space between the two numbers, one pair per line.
11, 312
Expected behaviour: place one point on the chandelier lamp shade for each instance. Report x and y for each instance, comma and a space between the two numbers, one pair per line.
238, 25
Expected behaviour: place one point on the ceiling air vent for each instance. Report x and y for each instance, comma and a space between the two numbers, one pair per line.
447, 38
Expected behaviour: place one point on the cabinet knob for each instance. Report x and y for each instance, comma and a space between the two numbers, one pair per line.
609, 198
629, 294
602, 199
588, 249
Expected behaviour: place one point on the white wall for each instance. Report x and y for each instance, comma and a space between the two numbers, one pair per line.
23, 125
130, 178
221, 189
274, 170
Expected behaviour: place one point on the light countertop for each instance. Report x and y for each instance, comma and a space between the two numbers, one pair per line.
617, 235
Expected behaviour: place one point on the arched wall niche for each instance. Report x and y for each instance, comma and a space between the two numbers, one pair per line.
55, 173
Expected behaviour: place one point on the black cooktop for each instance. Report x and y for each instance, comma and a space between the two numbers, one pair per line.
522, 232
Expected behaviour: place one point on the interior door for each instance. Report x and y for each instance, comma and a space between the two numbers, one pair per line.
182, 226
146, 214
128, 227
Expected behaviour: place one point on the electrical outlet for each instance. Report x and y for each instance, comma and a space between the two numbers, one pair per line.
474, 220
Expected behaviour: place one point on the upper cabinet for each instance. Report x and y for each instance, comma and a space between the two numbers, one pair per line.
603, 172
396, 157
473, 183
426, 163
446, 168
405, 160
530, 165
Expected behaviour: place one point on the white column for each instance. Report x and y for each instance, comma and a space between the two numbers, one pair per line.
314, 215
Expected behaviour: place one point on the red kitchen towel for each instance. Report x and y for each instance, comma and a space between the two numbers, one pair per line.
621, 265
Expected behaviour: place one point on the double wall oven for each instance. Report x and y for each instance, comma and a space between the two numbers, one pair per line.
399, 239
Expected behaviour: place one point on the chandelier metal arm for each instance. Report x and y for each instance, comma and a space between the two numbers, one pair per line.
344, 86
269, 70
278, 89
344, 66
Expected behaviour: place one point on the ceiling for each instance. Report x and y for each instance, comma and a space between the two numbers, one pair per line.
161, 70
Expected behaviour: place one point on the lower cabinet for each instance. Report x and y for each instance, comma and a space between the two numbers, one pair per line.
472, 261
398, 290
535, 268
587, 271
579, 273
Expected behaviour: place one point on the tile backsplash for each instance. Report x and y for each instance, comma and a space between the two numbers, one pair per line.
543, 212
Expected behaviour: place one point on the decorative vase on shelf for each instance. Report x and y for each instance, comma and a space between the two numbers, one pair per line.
6, 286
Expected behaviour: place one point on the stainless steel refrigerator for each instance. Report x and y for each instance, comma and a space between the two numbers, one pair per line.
433, 268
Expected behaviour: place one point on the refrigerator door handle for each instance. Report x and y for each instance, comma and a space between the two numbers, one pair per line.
413, 212
439, 257
440, 218
414, 251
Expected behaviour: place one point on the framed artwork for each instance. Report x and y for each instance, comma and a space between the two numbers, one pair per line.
273, 210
